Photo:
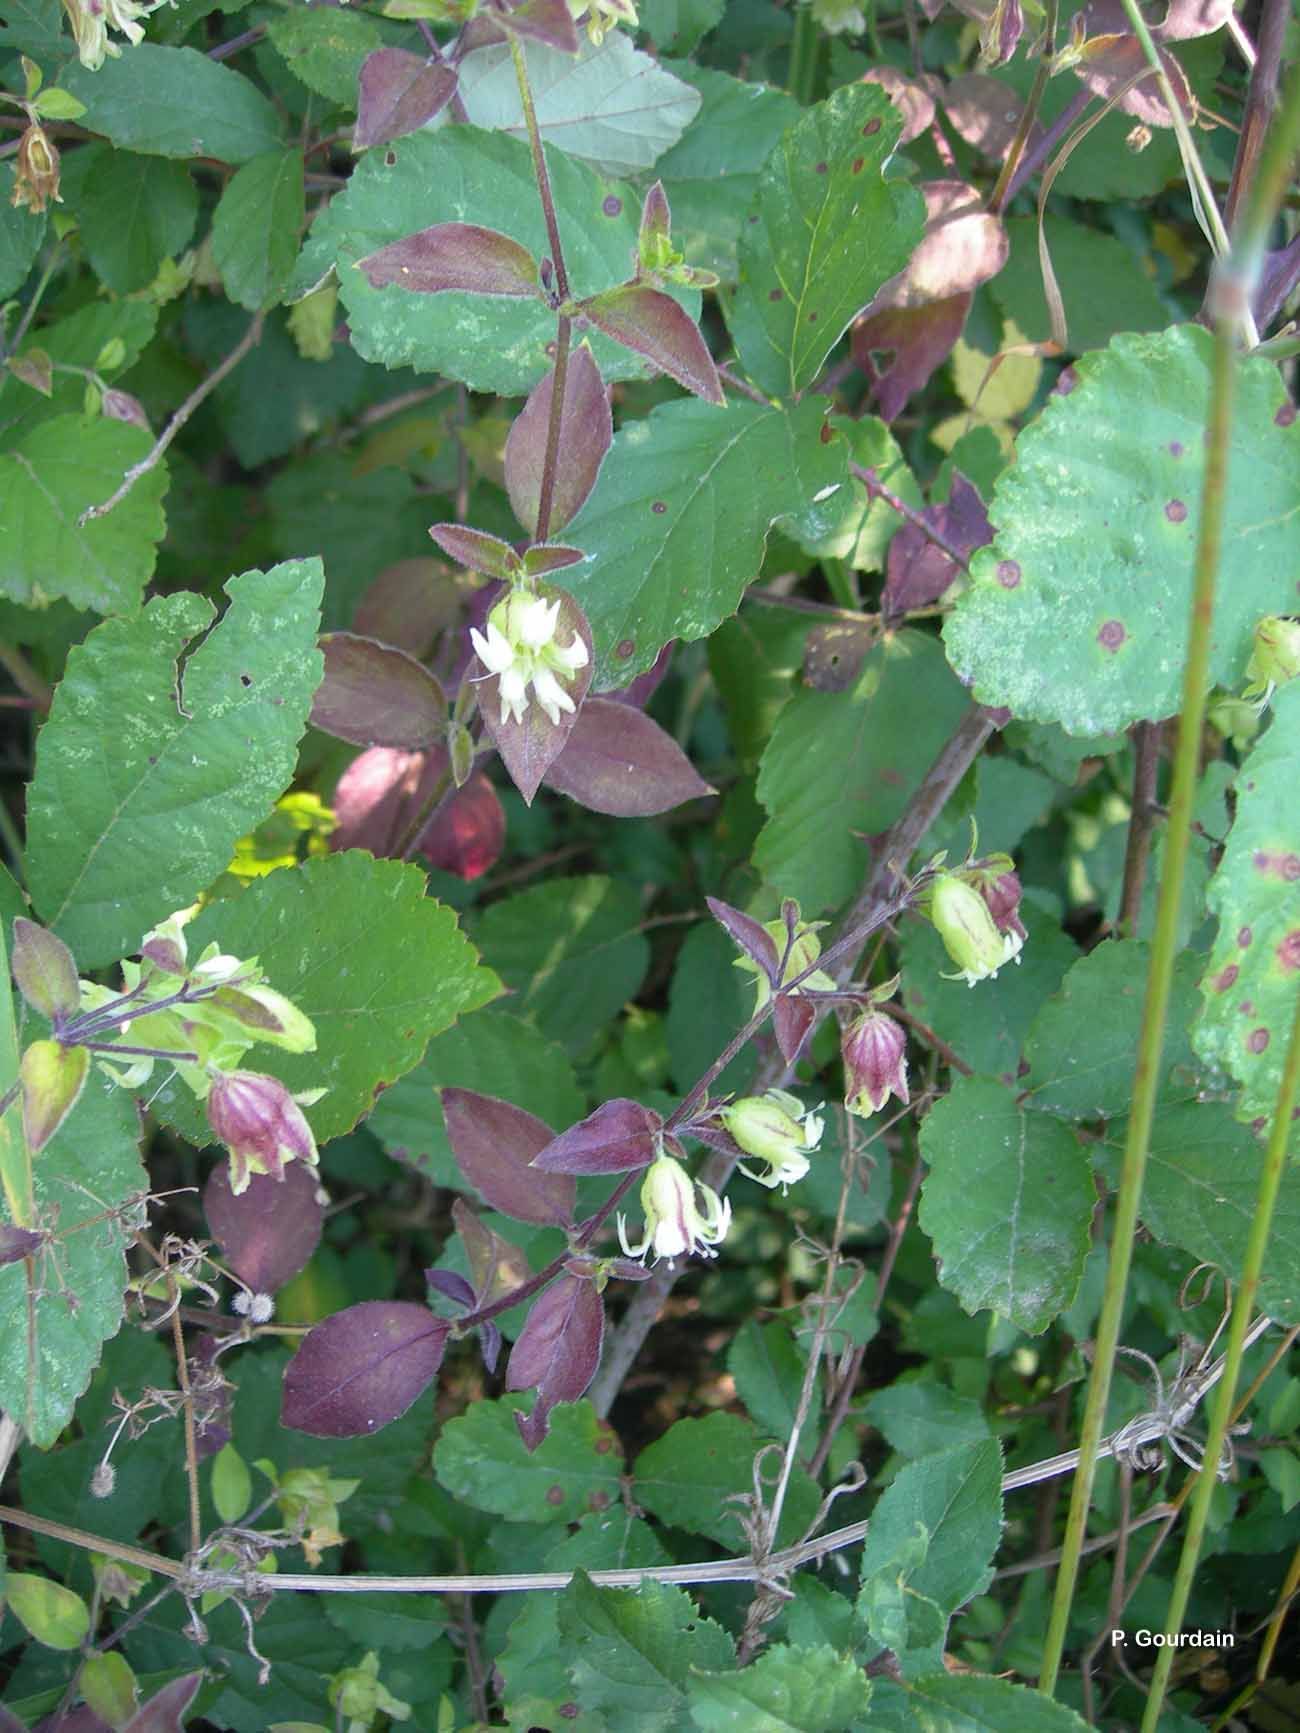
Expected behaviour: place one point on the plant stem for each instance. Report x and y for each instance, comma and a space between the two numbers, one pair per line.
877, 489
1261, 103
25, 677
1164, 953
540, 170
554, 427
1003, 188
1243, 1303
1146, 763
804, 49
441, 789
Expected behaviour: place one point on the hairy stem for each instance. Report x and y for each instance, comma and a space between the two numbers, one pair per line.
554, 427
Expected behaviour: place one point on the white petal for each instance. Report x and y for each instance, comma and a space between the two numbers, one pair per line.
494, 651
551, 695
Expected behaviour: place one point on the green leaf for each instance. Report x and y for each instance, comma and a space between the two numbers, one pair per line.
35, 27
50, 1613
175, 102
711, 176
461, 174
1201, 1190
768, 1370
1007, 1203
831, 231
864, 527
842, 766
325, 46
676, 26
232, 1484
1077, 613
257, 223
688, 1478
1082, 1044
610, 106
134, 211
387, 969
109, 1687
61, 467
388, 1621
708, 1001
935, 1531
88, 1171
634, 1652
495, 1053
481, 1459
1249, 985
124, 827
986, 1025
971, 1703
786, 1690
21, 234
1103, 283
571, 952
919, 1417
676, 527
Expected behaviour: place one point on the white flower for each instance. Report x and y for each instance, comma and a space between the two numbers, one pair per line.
519, 647
675, 1225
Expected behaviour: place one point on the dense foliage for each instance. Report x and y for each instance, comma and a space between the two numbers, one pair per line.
651, 744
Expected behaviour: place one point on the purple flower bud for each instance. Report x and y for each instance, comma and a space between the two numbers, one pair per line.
1002, 895
260, 1123
874, 1050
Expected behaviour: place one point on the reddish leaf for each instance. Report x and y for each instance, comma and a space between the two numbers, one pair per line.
558, 1351
920, 340
269, 1231
45, 970
165, 1712
586, 430
963, 246
919, 572
373, 695
618, 1136
656, 219
408, 604
398, 93
652, 324
833, 654
453, 1286
912, 99
751, 935
476, 550
82, 1719
529, 748
495, 1266
454, 256
544, 557
362, 1368
548, 21
792, 1018
494, 1143
616, 760
1188, 18
15, 1245
985, 112
380, 793
1114, 54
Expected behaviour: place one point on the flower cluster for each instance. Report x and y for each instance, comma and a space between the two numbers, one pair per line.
520, 646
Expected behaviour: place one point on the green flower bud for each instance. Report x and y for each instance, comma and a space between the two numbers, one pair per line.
970, 935
774, 1129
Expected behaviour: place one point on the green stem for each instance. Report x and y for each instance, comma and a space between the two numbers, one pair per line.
1164, 954
803, 55
1270, 1180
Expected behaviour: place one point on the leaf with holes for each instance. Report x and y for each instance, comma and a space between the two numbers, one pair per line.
129, 824
677, 526
1077, 613
831, 231
1007, 1204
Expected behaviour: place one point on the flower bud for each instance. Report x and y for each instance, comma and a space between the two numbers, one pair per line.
1275, 657
962, 920
36, 179
1002, 897
121, 406
357, 1693
775, 1129
874, 1051
260, 1123
675, 1225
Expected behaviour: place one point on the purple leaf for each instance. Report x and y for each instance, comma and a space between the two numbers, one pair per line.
489, 1341
454, 256
493, 1143
452, 1286
165, 1712
269, 1231
397, 93
979, 112
529, 748
477, 550
617, 1137
963, 246
751, 935
792, 1018
16, 1244
373, 695
616, 760
82, 1719
408, 604
548, 21
654, 325
557, 1351
495, 1266
656, 218
544, 557
586, 431
380, 793
910, 97
362, 1368
45, 970
918, 572
920, 340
